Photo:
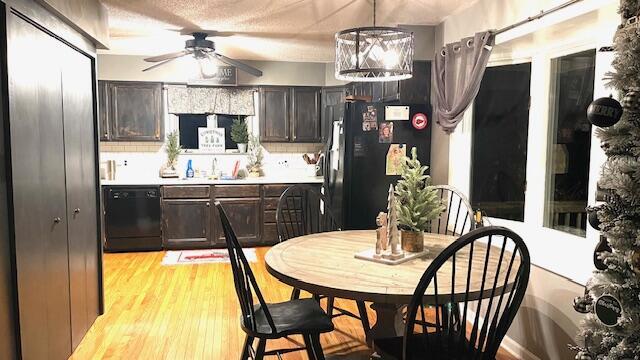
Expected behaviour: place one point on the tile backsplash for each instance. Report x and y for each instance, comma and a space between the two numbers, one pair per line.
136, 160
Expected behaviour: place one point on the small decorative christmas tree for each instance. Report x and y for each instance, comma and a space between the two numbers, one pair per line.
254, 157
239, 133
417, 201
172, 148
392, 228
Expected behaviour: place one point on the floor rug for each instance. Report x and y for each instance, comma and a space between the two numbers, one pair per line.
208, 256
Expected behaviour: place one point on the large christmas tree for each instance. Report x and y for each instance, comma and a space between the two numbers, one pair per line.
611, 329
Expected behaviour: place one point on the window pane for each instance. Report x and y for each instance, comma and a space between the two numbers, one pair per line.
500, 128
572, 79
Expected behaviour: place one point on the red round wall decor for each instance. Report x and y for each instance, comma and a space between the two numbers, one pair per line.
419, 121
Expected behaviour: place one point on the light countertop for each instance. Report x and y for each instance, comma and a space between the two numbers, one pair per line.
290, 179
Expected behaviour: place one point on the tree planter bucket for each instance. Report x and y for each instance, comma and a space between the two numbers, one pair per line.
242, 148
412, 241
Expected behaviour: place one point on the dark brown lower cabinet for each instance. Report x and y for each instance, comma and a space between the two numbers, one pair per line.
186, 223
53, 215
245, 217
190, 221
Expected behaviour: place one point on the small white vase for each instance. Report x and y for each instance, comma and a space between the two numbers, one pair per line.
242, 148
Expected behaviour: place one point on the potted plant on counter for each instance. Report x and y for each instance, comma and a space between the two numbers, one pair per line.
417, 203
172, 148
254, 157
239, 134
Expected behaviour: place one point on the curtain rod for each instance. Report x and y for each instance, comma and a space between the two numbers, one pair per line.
536, 17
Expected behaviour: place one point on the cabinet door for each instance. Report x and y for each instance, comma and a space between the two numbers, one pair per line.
245, 218
103, 111
417, 90
136, 111
332, 99
390, 91
274, 114
186, 223
80, 165
39, 200
305, 112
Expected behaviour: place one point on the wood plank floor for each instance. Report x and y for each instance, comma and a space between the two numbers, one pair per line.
191, 312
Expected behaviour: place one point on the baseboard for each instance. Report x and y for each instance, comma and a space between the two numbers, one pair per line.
509, 345
515, 349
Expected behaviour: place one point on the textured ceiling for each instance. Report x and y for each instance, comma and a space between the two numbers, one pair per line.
291, 30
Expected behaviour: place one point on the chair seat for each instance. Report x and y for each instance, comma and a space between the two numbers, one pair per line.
425, 346
301, 316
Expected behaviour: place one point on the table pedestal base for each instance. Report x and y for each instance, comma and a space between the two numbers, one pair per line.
389, 322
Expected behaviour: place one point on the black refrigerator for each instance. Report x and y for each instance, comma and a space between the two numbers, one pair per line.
356, 183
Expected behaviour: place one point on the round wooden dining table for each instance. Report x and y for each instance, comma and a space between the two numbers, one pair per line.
325, 264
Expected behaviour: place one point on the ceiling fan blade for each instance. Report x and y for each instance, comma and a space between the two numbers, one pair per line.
168, 56
160, 64
190, 31
242, 66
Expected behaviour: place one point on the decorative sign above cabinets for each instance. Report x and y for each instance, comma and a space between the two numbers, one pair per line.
226, 75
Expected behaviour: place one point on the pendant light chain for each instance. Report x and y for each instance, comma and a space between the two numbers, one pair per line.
374, 13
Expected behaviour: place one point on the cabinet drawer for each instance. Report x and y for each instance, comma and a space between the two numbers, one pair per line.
237, 191
275, 190
271, 203
186, 192
269, 234
269, 216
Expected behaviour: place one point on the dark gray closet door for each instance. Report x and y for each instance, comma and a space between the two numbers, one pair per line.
40, 215
79, 141
7, 291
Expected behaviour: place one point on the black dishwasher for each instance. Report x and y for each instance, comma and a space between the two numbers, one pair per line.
132, 218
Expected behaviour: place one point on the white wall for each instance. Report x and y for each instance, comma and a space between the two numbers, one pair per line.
546, 321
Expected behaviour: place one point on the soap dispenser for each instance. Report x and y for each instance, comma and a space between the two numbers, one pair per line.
190, 169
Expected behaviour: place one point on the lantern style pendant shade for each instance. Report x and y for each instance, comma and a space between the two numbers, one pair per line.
374, 53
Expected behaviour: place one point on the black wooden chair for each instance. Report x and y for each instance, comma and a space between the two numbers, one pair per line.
271, 321
467, 325
457, 219
302, 211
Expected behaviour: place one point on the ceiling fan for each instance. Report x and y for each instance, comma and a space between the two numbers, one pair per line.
204, 51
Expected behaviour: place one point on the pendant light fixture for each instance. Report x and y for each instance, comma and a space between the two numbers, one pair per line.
375, 53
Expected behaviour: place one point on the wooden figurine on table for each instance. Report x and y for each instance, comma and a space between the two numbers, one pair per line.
381, 234
393, 235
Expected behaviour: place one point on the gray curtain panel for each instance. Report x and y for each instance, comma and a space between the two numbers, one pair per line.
458, 71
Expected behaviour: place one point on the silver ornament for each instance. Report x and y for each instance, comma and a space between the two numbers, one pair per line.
631, 101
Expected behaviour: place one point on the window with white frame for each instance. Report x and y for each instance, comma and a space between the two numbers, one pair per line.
569, 142
499, 141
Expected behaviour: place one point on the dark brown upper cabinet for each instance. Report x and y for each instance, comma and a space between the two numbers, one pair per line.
290, 114
274, 114
305, 108
415, 90
131, 111
103, 111
332, 101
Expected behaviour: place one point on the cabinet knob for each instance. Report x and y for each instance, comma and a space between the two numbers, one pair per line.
76, 211
57, 219
208, 204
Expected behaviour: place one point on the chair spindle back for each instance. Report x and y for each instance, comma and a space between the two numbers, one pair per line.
474, 308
